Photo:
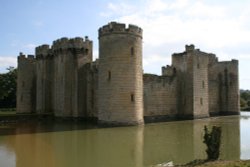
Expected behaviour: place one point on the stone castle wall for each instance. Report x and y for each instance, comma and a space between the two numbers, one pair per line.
160, 97
62, 79
26, 87
200, 84
120, 74
60, 89
44, 67
183, 63
224, 87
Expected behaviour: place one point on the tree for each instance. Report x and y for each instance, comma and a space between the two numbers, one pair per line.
8, 88
243, 103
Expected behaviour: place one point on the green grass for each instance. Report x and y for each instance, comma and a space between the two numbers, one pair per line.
7, 111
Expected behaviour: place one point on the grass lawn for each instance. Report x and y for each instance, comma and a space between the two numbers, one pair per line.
7, 111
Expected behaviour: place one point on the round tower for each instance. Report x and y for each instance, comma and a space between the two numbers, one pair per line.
120, 91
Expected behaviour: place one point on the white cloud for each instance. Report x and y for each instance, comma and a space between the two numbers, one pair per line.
201, 10
244, 56
95, 54
7, 61
156, 6
213, 27
155, 59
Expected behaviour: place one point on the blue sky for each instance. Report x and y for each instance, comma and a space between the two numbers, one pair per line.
220, 27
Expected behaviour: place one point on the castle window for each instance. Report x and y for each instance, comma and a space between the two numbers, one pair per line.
92, 98
174, 70
198, 65
201, 101
86, 51
21, 99
132, 51
23, 84
132, 97
109, 75
203, 84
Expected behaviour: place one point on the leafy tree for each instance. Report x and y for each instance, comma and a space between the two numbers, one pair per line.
243, 103
8, 88
245, 99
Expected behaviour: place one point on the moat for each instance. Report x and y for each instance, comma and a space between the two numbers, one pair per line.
66, 144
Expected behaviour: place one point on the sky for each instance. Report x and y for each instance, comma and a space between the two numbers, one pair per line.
219, 27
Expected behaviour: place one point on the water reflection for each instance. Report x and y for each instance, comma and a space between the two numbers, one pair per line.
182, 142
139, 146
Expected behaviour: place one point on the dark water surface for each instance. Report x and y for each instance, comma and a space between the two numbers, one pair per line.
83, 145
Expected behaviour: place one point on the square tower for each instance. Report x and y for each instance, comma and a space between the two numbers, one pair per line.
192, 73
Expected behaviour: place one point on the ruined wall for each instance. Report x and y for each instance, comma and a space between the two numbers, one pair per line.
224, 87
160, 98
120, 74
26, 84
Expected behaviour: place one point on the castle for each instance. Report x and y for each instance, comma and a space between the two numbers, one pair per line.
64, 80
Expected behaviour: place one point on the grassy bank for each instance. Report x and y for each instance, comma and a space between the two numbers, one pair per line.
7, 111
245, 163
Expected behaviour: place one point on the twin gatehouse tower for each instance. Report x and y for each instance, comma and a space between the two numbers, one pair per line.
63, 80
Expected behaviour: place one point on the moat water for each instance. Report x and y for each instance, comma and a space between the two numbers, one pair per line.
74, 145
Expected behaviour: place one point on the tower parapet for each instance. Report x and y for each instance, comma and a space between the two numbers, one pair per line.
189, 48
76, 45
118, 28
61, 43
42, 51
24, 57
66, 43
26, 83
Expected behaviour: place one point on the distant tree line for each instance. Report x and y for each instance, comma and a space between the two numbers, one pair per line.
8, 88
245, 100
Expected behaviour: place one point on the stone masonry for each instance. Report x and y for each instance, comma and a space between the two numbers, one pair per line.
63, 80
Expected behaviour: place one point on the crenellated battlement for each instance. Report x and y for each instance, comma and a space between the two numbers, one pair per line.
163, 79
64, 80
114, 27
189, 48
61, 43
168, 71
24, 57
42, 51
66, 43
233, 61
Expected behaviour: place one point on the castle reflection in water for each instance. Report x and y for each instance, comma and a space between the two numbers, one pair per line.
138, 146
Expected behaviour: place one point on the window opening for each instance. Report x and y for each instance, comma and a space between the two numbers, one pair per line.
132, 97
132, 51
109, 75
